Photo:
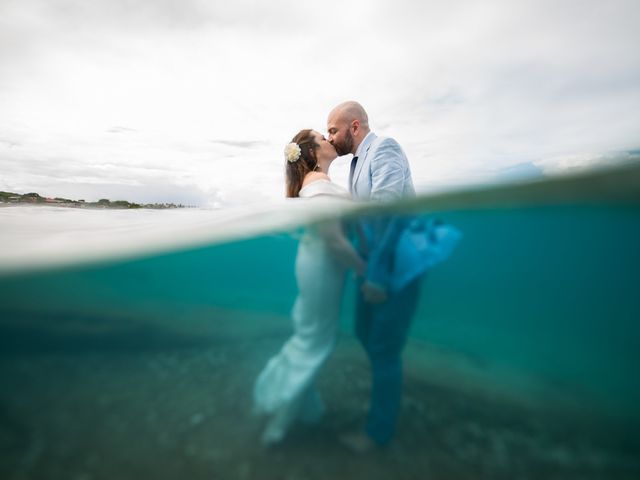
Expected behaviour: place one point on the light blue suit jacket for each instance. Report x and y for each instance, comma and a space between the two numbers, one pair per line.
398, 248
382, 171
382, 174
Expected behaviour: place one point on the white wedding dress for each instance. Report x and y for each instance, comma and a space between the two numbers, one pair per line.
285, 388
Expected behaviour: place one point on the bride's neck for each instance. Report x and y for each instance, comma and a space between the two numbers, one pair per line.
323, 167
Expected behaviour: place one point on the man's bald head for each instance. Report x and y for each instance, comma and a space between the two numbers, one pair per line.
347, 126
350, 111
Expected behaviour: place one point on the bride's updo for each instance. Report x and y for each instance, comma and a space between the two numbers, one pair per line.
299, 161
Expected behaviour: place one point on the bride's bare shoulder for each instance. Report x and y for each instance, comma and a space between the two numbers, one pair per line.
314, 177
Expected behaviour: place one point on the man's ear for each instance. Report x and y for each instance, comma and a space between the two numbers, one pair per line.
355, 126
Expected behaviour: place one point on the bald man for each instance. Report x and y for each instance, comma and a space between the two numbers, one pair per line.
379, 172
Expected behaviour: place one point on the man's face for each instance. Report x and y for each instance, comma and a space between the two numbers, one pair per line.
339, 134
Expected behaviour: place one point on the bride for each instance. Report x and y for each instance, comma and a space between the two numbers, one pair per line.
285, 388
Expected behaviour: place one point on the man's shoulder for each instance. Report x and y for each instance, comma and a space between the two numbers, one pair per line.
383, 146
385, 142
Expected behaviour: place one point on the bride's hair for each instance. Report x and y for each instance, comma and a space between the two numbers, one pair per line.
296, 171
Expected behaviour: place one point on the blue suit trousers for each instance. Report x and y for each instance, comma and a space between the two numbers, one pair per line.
382, 330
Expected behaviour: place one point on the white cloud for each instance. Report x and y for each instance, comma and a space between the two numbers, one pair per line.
583, 161
202, 95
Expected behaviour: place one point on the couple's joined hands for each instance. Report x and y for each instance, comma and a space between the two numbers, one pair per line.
373, 293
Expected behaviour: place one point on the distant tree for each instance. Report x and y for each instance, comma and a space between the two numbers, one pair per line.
33, 197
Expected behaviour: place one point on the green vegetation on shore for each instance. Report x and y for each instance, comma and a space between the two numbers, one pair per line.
36, 199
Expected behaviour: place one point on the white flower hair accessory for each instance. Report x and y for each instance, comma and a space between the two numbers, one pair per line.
292, 152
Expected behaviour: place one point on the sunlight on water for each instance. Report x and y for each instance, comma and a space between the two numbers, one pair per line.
136, 355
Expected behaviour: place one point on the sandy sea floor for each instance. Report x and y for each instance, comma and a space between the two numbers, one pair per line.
168, 409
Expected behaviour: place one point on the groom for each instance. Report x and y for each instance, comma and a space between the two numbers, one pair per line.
379, 172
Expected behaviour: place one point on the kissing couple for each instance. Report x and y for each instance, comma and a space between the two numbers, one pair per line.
389, 270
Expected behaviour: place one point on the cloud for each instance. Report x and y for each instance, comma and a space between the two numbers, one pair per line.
9, 143
121, 130
241, 143
151, 93
585, 161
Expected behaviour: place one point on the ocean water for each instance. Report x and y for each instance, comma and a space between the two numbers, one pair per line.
129, 340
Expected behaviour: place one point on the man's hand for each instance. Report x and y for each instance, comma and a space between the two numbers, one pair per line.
373, 293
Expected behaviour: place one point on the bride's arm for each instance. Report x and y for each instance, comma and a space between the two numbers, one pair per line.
340, 246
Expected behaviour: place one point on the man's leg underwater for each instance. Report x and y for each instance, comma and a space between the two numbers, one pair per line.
387, 336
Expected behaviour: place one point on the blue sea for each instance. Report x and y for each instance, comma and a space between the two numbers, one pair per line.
130, 340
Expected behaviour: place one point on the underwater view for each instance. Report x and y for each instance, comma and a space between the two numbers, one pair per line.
130, 341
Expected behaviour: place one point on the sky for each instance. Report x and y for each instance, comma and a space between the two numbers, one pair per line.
193, 101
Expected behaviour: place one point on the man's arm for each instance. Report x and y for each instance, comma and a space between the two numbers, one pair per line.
388, 169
